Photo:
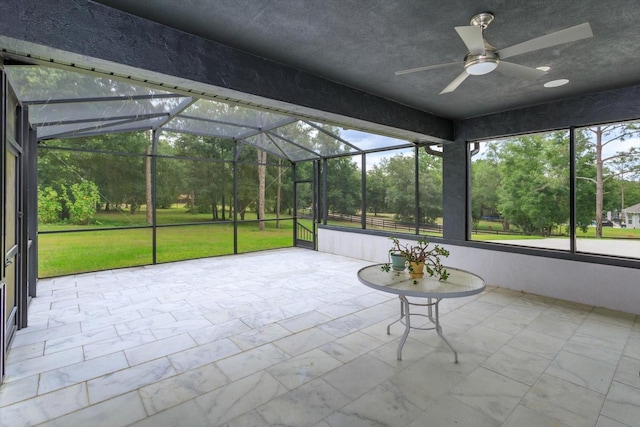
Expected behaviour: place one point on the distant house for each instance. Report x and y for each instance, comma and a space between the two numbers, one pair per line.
632, 216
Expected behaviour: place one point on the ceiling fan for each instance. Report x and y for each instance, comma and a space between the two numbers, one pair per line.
483, 58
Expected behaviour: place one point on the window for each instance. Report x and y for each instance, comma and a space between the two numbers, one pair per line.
608, 189
520, 191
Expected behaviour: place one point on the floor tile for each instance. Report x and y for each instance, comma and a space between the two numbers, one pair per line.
580, 370
160, 348
250, 361
385, 405
121, 382
493, 394
239, 397
518, 365
623, 404
80, 372
122, 410
210, 347
448, 411
359, 376
305, 405
203, 354
564, 401
303, 368
304, 341
539, 344
526, 417
45, 407
181, 388
187, 414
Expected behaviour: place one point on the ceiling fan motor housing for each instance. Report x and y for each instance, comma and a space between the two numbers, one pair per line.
478, 65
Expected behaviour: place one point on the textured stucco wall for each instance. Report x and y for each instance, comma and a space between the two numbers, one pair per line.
617, 288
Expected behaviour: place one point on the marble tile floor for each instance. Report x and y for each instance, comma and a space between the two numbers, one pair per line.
291, 338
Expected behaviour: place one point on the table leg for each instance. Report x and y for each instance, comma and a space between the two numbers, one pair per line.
407, 324
396, 321
439, 329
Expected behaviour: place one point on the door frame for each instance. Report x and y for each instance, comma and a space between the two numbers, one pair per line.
303, 236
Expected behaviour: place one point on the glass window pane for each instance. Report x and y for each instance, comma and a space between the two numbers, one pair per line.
520, 191
608, 189
368, 141
233, 114
104, 110
126, 142
195, 147
202, 127
70, 253
35, 83
320, 138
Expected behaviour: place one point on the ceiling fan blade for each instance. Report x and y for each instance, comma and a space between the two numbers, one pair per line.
472, 38
455, 83
519, 71
579, 32
428, 67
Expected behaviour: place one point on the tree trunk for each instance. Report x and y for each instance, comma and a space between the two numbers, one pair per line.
599, 182
278, 193
147, 176
262, 171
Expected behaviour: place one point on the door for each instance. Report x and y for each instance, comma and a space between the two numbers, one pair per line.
305, 211
12, 292
10, 242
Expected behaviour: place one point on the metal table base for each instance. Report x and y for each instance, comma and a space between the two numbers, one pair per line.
405, 319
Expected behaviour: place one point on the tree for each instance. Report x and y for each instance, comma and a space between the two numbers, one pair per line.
485, 181
376, 189
343, 186
82, 201
400, 177
534, 191
610, 165
49, 206
430, 187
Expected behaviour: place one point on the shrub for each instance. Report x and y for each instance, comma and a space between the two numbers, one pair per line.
49, 206
83, 201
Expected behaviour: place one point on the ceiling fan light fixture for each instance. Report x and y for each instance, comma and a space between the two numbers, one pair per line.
478, 65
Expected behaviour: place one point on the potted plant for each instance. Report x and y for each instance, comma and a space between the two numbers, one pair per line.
420, 257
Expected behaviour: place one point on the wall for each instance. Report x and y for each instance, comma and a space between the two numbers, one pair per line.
617, 288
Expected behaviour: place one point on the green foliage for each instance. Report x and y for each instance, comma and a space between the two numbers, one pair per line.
376, 190
485, 181
49, 206
343, 186
421, 253
430, 187
534, 190
82, 202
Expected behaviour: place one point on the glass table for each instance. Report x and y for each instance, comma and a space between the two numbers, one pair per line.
460, 283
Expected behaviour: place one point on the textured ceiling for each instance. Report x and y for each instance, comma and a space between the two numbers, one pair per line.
362, 43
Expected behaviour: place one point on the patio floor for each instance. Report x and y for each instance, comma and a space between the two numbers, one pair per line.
290, 337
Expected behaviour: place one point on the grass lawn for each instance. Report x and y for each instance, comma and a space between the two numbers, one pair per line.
70, 253
77, 252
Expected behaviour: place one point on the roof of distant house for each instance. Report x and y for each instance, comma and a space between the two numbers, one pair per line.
633, 209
